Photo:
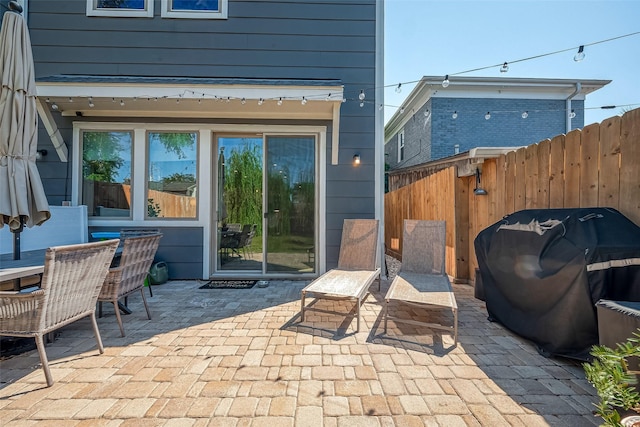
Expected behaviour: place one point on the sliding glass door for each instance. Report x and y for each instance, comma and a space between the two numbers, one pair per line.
266, 204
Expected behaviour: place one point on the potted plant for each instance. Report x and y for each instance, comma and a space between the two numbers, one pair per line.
615, 383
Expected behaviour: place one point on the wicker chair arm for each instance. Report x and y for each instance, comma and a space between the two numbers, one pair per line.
18, 294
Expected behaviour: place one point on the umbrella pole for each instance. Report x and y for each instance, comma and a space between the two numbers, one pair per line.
16, 239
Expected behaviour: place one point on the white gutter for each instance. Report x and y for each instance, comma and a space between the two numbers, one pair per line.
568, 101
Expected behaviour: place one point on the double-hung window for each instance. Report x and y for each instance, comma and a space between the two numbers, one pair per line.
121, 8
195, 9
401, 146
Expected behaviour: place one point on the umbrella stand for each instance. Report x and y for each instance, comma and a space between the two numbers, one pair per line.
16, 239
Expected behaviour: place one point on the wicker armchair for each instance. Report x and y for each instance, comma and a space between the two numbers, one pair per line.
72, 279
128, 277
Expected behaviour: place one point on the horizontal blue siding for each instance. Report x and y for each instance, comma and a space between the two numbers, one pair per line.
286, 39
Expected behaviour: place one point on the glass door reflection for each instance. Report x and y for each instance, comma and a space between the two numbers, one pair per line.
239, 204
291, 195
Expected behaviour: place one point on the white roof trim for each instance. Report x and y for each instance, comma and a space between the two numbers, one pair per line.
228, 101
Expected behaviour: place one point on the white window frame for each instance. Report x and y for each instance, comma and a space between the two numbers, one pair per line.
147, 12
221, 13
206, 206
401, 145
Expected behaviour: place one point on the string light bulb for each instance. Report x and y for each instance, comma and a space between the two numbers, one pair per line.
243, 101
260, 101
70, 99
572, 115
122, 102
487, 116
504, 68
399, 88
445, 82
304, 101
454, 115
579, 56
381, 107
279, 102
55, 107
362, 95
91, 104
525, 114
427, 113
361, 104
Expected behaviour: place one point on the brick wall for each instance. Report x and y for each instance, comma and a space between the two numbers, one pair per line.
435, 137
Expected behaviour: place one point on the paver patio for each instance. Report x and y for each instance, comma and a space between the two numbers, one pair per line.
220, 357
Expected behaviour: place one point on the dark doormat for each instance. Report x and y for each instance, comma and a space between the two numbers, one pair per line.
229, 284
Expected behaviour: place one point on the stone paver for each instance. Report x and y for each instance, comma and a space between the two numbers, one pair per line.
238, 358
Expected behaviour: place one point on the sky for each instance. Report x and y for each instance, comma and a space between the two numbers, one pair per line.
439, 37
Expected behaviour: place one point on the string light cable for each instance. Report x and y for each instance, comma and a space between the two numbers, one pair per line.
359, 95
504, 66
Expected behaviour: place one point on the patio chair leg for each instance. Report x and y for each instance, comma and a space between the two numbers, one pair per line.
149, 283
302, 307
358, 321
96, 332
117, 310
44, 360
386, 315
455, 327
146, 307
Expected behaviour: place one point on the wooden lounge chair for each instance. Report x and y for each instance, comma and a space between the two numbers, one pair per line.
356, 269
128, 277
422, 280
72, 279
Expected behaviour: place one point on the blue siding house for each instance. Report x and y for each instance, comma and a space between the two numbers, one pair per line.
230, 125
435, 122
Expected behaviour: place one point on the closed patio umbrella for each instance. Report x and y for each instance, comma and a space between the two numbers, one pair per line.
22, 197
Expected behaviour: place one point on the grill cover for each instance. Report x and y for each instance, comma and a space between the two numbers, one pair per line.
543, 270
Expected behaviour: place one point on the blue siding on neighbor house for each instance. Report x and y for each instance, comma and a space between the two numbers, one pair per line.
435, 137
284, 39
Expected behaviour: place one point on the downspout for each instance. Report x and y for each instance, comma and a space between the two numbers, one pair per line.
379, 132
568, 107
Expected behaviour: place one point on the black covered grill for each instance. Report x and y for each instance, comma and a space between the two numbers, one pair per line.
544, 270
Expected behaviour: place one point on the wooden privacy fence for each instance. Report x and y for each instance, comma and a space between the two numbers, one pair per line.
596, 166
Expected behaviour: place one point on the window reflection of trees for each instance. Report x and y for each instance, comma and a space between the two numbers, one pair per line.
172, 175
243, 185
106, 169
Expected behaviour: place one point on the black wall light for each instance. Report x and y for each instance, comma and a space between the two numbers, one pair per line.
479, 191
